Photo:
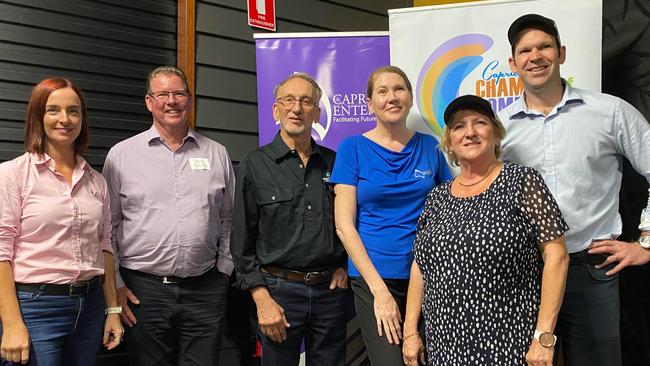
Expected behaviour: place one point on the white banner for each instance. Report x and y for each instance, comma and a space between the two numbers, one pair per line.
457, 49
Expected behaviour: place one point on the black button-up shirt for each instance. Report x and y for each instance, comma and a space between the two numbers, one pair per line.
284, 213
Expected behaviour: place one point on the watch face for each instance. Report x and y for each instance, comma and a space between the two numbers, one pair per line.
547, 339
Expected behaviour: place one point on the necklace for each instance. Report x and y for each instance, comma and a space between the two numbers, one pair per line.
482, 178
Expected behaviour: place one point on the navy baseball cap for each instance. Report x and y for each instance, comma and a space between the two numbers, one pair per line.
468, 102
534, 21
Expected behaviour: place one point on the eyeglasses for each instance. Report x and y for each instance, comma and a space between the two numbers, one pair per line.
288, 102
162, 96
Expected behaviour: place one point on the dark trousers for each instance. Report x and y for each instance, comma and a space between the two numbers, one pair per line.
379, 350
315, 314
177, 324
588, 323
635, 315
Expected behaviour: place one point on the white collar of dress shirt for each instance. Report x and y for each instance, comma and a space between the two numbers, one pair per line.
570, 95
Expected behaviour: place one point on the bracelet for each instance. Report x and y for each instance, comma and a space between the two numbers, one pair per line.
416, 333
113, 310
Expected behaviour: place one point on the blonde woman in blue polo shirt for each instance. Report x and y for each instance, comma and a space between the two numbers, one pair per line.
382, 178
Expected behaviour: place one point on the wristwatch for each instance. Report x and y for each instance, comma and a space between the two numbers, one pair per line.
546, 339
644, 240
113, 310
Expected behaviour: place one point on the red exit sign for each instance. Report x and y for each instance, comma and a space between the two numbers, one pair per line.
261, 14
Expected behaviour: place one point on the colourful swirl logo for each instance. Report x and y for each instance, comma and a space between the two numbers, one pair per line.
444, 71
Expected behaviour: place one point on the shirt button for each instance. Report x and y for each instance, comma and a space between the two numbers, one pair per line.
307, 185
273, 198
300, 166
309, 207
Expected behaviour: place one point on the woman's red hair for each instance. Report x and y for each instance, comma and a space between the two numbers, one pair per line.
34, 132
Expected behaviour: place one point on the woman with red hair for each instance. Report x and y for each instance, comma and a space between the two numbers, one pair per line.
55, 247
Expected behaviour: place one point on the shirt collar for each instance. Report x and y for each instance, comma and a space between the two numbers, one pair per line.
279, 148
153, 135
569, 96
45, 160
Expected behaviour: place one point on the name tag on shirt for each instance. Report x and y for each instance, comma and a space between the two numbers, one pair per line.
199, 164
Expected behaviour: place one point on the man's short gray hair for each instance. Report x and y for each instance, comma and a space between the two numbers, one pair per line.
167, 69
300, 75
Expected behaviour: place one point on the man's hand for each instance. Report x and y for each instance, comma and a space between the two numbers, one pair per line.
15, 344
125, 296
626, 254
339, 279
270, 315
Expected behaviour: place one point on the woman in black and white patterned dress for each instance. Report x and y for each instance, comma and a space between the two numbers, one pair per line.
490, 257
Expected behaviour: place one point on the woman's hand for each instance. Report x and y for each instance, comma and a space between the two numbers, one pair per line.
539, 355
388, 316
15, 343
113, 331
413, 350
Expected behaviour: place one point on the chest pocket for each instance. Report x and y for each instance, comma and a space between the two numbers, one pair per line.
270, 196
275, 209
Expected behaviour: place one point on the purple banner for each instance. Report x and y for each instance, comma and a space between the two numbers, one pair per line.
341, 66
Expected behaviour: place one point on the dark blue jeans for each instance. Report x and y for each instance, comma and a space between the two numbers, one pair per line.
317, 315
177, 324
64, 330
588, 323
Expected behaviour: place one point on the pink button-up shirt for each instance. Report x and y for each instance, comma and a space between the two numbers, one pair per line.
52, 232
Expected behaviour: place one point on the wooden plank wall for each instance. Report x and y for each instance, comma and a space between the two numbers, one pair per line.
106, 46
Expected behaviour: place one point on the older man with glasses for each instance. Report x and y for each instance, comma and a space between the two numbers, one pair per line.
171, 195
284, 244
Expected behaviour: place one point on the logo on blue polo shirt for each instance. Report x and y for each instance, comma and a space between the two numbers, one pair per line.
422, 174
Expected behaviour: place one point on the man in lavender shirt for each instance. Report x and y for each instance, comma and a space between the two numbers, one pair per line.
171, 193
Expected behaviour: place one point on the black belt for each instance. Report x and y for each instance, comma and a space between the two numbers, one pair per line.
73, 289
309, 278
584, 257
168, 280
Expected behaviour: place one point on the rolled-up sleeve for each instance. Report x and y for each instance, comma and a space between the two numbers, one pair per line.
633, 141
10, 208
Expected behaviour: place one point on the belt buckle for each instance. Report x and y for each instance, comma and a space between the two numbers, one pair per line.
77, 289
167, 280
311, 276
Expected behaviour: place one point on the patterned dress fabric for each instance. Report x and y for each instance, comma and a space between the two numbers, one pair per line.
482, 268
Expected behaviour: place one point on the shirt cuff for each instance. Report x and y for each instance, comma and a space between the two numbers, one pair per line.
644, 225
119, 282
225, 265
250, 280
